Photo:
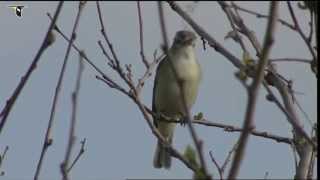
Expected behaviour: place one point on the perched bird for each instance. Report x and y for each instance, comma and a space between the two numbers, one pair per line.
166, 93
17, 9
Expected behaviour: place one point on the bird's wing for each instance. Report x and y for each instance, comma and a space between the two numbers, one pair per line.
155, 88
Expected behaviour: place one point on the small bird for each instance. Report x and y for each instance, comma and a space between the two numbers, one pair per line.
17, 9
166, 93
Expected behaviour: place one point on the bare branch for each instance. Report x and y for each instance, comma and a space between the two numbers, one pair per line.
253, 92
231, 17
48, 140
259, 15
117, 66
45, 43
229, 128
83, 55
2, 158
148, 72
298, 29
143, 57
308, 61
216, 164
80, 153
228, 158
65, 163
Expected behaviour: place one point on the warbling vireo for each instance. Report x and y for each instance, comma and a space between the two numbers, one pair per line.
166, 93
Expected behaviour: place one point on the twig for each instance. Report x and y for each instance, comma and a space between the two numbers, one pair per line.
288, 108
308, 61
230, 128
45, 43
80, 153
194, 136
294, 152
259, 15
216, 164
65, 163
143, 57
48, 140
298, 29
231, 17
246, 31
117, 65
2, 157
228, 158
83, 55
311, 27
253, 92
148, 71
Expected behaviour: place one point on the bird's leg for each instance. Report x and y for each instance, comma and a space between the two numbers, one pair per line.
183, 120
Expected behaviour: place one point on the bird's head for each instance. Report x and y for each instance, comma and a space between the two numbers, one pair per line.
184, 38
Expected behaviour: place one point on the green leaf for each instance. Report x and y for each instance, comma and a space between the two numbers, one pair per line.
199, 116
190, 155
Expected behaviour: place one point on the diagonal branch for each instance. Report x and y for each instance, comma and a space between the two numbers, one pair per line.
48, 140
253, 92
48, 40
74, 97
143, 57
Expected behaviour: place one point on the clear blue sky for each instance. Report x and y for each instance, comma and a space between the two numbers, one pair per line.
119, 142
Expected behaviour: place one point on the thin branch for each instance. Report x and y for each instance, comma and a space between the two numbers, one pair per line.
216, 164
246, 31
83, 55
194, 136
65, 163
253, 92
143, 57
48, 140
231, 17
308, 61
288, 108
45, 43
259, 15
228, 158
117, 65
80, 153
311, 23
298, 29
230, 128
148, 71
2, 157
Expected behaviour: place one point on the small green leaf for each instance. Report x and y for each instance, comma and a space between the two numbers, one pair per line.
190, 155
198, 116
247, 59
199, 174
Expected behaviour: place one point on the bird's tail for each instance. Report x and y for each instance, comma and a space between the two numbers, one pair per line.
162, 157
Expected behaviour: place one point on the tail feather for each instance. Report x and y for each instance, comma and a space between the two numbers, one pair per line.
162, 157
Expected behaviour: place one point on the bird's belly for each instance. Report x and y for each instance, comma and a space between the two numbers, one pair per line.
171, 102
